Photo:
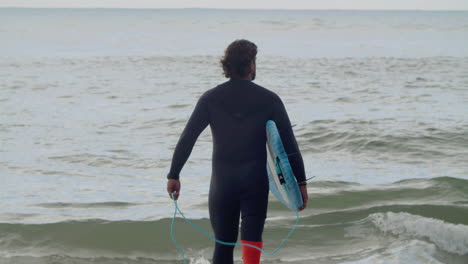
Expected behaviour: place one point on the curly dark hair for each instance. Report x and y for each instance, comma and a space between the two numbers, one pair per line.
238, 57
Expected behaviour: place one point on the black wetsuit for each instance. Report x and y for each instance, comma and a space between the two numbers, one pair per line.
237, 112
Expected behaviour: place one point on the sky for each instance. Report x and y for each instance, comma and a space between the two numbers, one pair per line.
248, 4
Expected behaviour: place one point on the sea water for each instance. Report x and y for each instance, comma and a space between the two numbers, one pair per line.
93, 101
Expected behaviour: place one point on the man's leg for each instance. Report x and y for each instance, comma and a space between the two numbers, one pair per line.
253, 210
224, 217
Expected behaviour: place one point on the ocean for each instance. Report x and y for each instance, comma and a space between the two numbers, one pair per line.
93, 101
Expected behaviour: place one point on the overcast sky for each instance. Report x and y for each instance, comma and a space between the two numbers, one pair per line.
271, 4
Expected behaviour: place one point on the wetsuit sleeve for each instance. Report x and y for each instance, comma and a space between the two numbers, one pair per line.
281, 118
197, 122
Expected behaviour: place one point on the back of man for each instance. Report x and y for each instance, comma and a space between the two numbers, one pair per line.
237, 112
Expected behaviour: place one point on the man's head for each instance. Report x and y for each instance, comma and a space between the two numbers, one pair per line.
239, 60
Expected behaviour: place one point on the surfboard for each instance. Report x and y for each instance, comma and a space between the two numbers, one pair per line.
281, 178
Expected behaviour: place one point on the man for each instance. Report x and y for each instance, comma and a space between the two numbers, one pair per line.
237, 111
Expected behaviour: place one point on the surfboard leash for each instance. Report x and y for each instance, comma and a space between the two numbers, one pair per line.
181, 252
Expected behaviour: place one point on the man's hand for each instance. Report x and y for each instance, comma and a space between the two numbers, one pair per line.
305, 196
173, 186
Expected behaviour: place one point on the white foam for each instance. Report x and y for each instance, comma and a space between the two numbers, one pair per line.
446, 236
199, 260
414, 252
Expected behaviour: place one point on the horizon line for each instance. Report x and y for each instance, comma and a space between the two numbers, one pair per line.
247, 9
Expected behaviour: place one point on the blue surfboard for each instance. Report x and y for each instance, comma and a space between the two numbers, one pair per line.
281, 178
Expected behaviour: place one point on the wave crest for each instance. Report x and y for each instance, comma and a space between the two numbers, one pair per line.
449, 237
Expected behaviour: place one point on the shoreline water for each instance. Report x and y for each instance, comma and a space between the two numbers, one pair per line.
93, 104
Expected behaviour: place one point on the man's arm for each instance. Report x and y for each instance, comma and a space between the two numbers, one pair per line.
281, 118
197, 122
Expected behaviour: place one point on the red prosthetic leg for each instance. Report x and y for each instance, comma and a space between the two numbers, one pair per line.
251, 255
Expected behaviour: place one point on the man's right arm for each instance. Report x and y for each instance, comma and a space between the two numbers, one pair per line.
281, 118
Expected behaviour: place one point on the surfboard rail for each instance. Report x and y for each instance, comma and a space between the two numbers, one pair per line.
282, 182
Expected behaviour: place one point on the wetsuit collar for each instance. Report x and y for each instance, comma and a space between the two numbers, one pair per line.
240, 83
239, 80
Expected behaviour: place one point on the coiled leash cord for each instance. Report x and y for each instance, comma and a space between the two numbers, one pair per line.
181, 252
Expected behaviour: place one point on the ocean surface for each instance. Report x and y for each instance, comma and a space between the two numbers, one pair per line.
93, 101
